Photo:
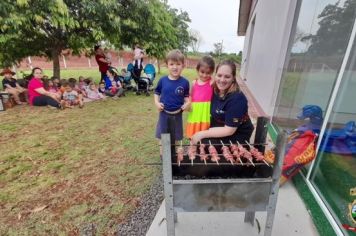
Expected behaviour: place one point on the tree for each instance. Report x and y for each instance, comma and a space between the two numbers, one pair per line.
180, 24
218, 49
45, 28
334, 22
196, 40
165, 29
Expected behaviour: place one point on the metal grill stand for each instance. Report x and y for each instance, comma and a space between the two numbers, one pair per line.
221, 195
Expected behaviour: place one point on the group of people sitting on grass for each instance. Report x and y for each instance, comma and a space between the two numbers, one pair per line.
39, 90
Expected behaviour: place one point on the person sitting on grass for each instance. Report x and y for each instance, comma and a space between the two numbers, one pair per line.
81, 83
71, 97
81, 93
113, 87
101, 88
61, 83
11, 86
50, 87
37, 95
93, 93
56, 82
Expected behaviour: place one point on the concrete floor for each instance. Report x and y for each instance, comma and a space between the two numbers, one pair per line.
291, 219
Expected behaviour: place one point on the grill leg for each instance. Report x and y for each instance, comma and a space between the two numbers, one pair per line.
249, 217
168, 184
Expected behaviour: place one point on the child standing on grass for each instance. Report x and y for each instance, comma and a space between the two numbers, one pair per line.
172, 95
201, 94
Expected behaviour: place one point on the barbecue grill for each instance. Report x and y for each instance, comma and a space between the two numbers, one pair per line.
206, 186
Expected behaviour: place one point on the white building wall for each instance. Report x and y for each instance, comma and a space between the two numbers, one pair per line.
262, 67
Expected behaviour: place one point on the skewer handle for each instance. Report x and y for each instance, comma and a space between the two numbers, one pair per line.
265, 162
251, 162
248, 144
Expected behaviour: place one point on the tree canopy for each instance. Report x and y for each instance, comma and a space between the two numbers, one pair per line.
334, 22
47, 27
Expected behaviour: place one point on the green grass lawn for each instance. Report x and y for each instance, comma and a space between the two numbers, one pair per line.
63, 170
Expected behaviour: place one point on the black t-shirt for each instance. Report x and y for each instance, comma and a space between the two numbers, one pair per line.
12, 82
232, 111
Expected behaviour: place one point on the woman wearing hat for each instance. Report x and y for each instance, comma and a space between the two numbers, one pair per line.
11, 86
38, 96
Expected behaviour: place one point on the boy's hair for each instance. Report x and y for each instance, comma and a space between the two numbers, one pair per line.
72, 80
72, 85
123, 70
175, 55
65, 83
54, 78
206, 61
102, 83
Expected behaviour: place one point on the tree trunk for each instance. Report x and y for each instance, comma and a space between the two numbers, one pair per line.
158, 66
56, 65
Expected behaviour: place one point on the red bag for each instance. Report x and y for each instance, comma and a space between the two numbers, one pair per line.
300, 150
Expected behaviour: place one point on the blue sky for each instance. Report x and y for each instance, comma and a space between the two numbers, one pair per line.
216, 22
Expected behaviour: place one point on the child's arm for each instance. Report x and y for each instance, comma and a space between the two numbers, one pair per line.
18, 86
7, 86
158, 104
186, 97
189, 107
186, 104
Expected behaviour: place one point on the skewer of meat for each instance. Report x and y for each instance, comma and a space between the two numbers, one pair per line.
180, 153
213, 153
226, 153
203, 155
245, 153
257, 154
235, 152
192, 152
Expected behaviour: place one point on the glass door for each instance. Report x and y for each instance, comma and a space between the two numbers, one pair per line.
333, 174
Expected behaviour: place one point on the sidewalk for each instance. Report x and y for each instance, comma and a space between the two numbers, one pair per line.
291, 219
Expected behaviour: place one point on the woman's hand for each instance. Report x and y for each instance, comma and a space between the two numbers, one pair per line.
197, 137
54, 96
